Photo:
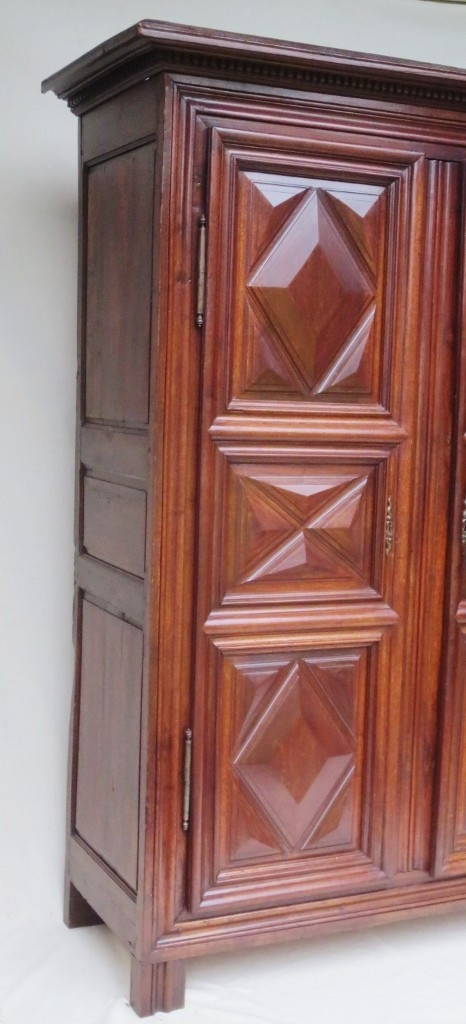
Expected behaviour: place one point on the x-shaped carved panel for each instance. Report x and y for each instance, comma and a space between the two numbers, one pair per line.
303, 524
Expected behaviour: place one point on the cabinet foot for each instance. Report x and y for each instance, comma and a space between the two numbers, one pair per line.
76, 911
157, 986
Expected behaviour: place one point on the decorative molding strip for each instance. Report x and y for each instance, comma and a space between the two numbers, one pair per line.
373, 83
304, 920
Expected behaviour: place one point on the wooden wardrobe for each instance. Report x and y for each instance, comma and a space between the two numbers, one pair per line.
269, 719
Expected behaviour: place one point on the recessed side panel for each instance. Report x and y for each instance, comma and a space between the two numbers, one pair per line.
107, 797
114, 527
119, 278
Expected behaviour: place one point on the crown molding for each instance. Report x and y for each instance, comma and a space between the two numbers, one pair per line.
152, 46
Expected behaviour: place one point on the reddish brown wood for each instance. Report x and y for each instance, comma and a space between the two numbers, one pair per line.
157, 986
232, 493
102, 889
294, 758
279, 524
120, 122
434, 465
449, 842
303, 62
107, 794
310, 246
78, 912
118, 288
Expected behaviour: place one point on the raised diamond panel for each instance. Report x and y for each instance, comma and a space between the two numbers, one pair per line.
309, 300
311, 288
360, 215
295, 752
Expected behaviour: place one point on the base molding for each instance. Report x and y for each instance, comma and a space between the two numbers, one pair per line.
265, 927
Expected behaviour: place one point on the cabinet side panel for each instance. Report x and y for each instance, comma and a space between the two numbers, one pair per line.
115, 524
119, 148
121, 121
119, 268
109, 734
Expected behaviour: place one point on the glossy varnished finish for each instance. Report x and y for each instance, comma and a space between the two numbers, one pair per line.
322, 302
268, 508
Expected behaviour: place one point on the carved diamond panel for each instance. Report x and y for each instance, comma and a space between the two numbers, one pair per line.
309, 524
310, 288
295, 753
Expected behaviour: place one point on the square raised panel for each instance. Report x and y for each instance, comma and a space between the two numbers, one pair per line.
298, 531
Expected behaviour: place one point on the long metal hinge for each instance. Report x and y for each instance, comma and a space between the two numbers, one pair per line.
463, 525
389, 527
188, 742
201, 258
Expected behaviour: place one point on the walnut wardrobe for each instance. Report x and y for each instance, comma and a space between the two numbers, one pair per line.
268, 734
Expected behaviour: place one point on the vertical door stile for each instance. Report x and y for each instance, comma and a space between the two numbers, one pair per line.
449, 833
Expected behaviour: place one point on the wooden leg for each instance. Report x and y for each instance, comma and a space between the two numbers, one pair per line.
157, 986
77, 913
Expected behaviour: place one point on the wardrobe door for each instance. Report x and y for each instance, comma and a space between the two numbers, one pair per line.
450, 849
306, 496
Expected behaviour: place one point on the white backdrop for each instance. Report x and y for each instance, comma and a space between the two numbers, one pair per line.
407, 974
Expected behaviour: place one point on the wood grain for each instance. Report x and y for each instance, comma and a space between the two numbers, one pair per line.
115, 525
119, 223
245, 472
107, 803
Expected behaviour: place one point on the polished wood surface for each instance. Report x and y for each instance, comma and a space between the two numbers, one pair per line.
108, 787
269, 505
118, 289
265, 56
312, 258
450, 839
